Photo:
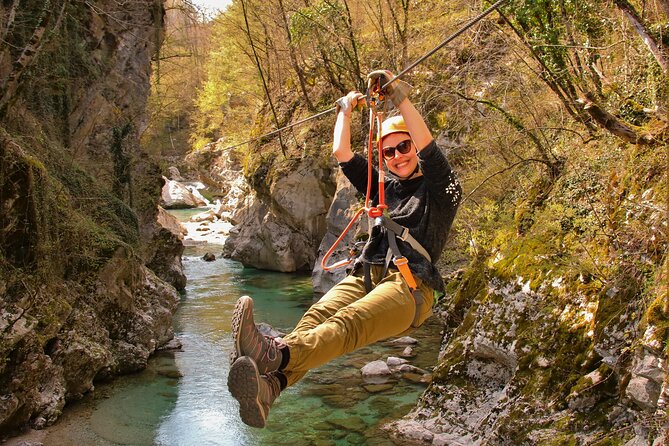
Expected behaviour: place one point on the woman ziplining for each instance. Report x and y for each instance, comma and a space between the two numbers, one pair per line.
391, 288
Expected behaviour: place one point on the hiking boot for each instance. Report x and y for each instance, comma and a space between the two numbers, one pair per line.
265, 351
255, 392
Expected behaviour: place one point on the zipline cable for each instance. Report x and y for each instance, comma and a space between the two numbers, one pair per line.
449, 39
446, 41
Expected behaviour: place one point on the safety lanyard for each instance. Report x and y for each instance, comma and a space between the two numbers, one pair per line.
374, 97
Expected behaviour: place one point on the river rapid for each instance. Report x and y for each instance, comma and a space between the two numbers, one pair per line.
181, 399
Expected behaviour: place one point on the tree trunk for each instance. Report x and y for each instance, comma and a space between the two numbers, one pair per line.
401, 26
293, 58
614, 125
262, 75
664, 4
11, 15
653, 45
357, 75
563, 93
10, 84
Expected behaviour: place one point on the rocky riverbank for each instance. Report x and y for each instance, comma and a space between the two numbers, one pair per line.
87, 272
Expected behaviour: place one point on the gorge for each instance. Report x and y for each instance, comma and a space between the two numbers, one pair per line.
556, 317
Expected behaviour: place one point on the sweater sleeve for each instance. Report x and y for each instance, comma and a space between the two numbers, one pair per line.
439, 176
356, 171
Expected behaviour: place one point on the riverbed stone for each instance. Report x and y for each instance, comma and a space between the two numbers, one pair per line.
173, 345
377, 388
408, 368
376, 368
327, 389
351, 423
408, 352
339, 401
405, 340
418, 378
394, 361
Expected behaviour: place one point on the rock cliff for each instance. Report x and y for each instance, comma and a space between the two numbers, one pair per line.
78, 219
557, 333
339, 215
278, 206
281, 230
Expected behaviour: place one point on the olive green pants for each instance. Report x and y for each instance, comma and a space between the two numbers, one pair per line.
347, 318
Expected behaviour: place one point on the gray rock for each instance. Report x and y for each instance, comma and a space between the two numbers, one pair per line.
408, 353
410, 432
406, 340
637, 441
393, 361
208, 257
164, 254
648, 365
644, 392
452, 440
175, 195
174, 173
408, 368
173, 345
376, 368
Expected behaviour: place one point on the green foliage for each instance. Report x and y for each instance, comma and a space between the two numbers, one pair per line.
76, 226
305, 23
231, 94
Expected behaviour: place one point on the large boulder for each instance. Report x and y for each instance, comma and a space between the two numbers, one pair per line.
280, 230
127, 316
177, 196
164, 256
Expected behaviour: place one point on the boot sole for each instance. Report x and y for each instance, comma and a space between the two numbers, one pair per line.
240, 307
243, 384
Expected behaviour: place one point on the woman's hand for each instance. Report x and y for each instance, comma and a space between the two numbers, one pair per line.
347, 103
397, 91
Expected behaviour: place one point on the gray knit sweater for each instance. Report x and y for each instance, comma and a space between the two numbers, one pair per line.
426, 205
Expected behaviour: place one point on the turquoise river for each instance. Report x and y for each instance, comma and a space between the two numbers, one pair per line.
181, 399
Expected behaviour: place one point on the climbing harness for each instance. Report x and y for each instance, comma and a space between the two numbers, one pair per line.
379, 213
446, 41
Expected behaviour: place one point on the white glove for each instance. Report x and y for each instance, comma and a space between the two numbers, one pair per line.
352, 100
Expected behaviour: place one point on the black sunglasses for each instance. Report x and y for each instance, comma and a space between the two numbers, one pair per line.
403, 147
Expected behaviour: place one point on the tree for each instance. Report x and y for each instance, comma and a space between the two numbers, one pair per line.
569, 40
29, 50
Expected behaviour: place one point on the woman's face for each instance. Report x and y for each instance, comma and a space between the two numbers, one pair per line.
402, 165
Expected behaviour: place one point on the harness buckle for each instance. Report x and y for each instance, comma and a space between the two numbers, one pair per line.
402, 265
400, 261
404, 235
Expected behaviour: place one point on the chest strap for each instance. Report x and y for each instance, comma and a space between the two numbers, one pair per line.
403, 234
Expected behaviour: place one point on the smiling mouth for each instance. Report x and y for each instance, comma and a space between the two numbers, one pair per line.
402, 164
